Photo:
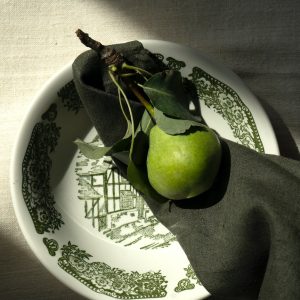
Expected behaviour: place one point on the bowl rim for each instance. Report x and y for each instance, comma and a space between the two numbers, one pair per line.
25, 128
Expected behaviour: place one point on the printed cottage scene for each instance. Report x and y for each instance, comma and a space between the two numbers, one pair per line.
115, 208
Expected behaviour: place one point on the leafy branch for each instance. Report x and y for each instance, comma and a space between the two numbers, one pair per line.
162, 94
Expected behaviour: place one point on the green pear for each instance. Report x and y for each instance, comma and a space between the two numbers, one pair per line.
184, 165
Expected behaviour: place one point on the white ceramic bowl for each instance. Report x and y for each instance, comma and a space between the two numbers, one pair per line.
82, 220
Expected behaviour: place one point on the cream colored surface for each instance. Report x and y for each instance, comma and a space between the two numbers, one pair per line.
259, 40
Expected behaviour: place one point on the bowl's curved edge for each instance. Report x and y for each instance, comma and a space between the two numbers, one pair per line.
15, 178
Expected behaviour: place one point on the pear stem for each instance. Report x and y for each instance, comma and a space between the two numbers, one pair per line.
88, 41
137, 69
108, 55
136, 91
130, 111
116, 64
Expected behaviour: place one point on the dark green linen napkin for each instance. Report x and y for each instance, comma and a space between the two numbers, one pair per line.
242, 236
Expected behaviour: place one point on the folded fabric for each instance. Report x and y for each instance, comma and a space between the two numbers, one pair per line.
242, 237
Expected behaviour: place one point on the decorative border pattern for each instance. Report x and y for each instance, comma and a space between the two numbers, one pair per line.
175, 64
37, 163
36, 168
114, 282
189, 282
51, 245
226, 102
70, 98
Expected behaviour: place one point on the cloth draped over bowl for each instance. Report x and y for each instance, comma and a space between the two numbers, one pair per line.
242, 237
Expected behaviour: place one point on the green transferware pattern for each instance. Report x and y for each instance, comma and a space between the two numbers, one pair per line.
36, 173
94, 179
39, 200
114, 282
115, 208
225, 101
174, 64
70, 98
51, 245
189, 282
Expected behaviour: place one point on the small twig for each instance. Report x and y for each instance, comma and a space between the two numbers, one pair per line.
88, 41
116, 63
137, 69
129, 108
108, 55
138, 94
127, 75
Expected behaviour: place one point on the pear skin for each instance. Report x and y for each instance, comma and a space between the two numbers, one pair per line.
184, 165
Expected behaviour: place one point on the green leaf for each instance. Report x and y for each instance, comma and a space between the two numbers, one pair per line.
120, 146
166, 92
172, 125
91, 151
146, 123
122, 156
129, 130
96, 152
129, 125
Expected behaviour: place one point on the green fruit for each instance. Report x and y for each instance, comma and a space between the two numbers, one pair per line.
184, 165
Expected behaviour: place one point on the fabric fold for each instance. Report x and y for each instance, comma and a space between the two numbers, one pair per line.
242, 236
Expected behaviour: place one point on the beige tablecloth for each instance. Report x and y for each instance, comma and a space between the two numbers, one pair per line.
259, 40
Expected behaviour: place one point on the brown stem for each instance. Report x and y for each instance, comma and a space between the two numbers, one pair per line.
112, 58
108, 55
138, 94
88, 41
